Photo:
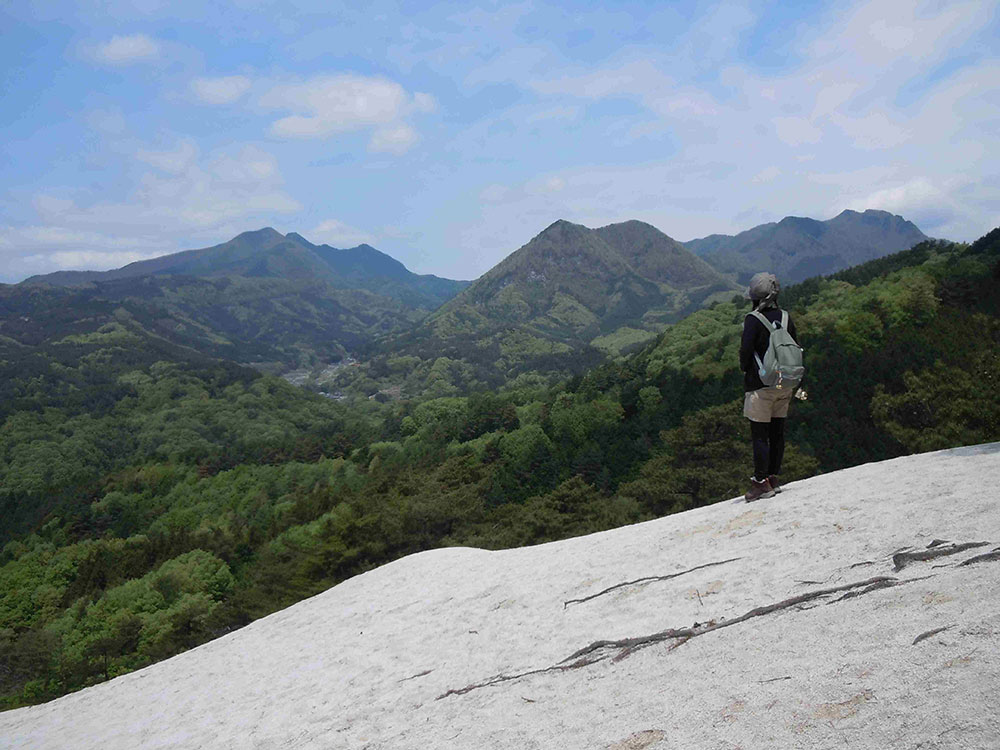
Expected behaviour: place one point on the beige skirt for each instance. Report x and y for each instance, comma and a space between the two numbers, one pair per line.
766, 403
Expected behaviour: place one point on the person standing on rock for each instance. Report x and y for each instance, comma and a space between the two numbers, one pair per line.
771, 363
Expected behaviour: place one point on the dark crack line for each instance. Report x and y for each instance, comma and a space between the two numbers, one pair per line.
627, 646
887, 583
988, 557
500, 679
901, 559
647, 579
929, 633
634, 644
415, 676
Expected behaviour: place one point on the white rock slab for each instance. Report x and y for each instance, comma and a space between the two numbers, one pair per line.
391, 658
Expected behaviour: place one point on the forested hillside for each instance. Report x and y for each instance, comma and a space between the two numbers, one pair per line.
276, 302
154, 499
555, 307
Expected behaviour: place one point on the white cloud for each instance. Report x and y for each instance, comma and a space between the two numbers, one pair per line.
330, 105
175, 161
42, 249
493, 193
184, 198
796, 131
554, 113
769, 174
222, 90
903, 198
894, 34
640, 77
873, 131
395, 139
125, 50
423, 102
338, 234
640, 80
108, 121
92, 260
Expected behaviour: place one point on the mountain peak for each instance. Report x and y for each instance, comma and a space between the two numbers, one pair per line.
561, 226
260, 236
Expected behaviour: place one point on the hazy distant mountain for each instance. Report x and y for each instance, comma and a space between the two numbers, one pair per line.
266, 253
796, 248
262, 298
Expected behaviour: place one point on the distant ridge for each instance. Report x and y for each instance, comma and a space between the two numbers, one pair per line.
263, 298
796, 248
268, 254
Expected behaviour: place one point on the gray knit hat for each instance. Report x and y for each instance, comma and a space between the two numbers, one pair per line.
763, 286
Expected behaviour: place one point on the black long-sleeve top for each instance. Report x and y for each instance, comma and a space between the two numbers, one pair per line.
755, 339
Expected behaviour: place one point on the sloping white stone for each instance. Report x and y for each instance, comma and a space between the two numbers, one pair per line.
365, 664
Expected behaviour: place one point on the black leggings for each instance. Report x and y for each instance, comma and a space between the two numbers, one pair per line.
768, 447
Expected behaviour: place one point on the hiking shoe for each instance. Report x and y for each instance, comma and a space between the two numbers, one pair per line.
758, 490
773, 481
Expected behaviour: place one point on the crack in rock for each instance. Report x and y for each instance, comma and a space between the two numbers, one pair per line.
929, 633
647, 579
415, 676
901, 559
617, 650
988, 557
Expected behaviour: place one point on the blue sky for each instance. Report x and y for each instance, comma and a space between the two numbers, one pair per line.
448, 135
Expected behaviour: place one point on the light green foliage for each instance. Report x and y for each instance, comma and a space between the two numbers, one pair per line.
568, 313
33, 583
440, 418
166, 606
403, 364
705, 344
457, 320
860, 316
108, 334
508, 304
518, 343
624, 338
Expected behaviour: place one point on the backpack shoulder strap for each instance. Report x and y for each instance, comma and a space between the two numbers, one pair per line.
762, 319
784, 319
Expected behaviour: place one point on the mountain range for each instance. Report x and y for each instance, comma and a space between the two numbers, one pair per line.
796, 248
268, 254
266, 299
564, 301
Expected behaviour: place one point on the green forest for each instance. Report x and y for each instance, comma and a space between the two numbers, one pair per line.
154, 498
